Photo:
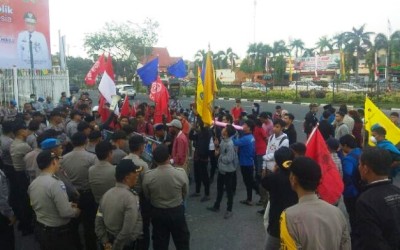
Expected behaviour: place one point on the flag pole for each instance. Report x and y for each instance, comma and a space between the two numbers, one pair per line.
312, 133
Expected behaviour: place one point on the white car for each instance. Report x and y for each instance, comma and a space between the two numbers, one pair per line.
126, 89
305, 86
254, 86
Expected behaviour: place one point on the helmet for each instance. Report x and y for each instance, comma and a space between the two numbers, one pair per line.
95, 109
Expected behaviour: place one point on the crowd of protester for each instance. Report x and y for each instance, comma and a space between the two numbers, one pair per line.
64, 167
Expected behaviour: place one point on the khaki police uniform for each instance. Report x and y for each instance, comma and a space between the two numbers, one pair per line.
53, 211
166, 187
76, 165
101, 179
118, 219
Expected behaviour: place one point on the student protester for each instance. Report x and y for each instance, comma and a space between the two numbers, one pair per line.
394, 117
227, 162
118, 221
246, 147
312, 223
289, 129
377, 209
201, 137
358, 127
351, 174
237, 111
260, 136
333, 147
310, 120
281, 195
325, 126
299, 149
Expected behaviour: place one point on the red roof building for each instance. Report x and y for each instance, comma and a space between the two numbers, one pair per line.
164, 59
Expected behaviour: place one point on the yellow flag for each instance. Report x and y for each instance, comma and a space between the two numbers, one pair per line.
199, 93
374, 116
287, 241
209, 90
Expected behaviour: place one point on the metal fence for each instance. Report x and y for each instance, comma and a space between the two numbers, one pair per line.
18, 85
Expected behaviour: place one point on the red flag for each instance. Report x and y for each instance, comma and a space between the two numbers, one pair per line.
331, 187
103, 111
109, 67
125, 110
96, 69
133, 110
159, 95
107, 89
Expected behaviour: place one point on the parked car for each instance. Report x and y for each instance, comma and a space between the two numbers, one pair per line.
254, 86
305, 86
347, 87
126, 89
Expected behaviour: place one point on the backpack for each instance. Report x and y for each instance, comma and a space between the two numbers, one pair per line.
280, 142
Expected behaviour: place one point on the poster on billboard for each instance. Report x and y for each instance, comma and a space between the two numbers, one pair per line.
323, 62
24, 34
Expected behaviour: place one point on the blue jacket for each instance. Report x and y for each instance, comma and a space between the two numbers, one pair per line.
350, 166
247, 145
389, 146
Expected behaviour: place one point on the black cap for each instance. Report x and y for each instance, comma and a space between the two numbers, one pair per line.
118, 135
18, 126
124, 168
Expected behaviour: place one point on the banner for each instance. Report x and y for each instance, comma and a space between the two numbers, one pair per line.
25, 34
321, 62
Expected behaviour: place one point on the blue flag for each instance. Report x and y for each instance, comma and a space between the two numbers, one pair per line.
178, 69
149, 72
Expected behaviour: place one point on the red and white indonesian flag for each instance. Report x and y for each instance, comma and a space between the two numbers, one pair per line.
107, 86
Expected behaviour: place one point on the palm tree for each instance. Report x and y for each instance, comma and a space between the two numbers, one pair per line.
339, 40
308, 52
199, 57
360, 41
279, 48
297, 44
231, 56
324, 43
391, 45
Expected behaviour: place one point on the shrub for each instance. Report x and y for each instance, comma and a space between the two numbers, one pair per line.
320, 94
305, 94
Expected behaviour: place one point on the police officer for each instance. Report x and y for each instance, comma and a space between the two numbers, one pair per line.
50, 202
76, 164
118, 220
166, 187
33, 52
7, 217
137, 146
9, 113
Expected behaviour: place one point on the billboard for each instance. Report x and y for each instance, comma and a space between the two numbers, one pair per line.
323, 62
25, 34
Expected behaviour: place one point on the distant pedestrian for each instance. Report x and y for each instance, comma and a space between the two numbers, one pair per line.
237, 111
341, 128
325, 126
310, 121
289, 128
278, 113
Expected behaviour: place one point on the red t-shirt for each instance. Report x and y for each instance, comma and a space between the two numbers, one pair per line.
236, 113
260, 137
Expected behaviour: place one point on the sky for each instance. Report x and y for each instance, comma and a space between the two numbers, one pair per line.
187, 26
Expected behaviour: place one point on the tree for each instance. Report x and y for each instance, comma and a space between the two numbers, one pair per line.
78, 67
296, 45
232, 57
125, 42
339, 40
360, 42
391, 46
279, 48
308, 52
324, 44
279, 68
199, 57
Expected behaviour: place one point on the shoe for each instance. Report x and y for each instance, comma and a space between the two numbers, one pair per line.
195, 195
213, 209
205, 198
259, 203
227, 215
246, 202
262, 211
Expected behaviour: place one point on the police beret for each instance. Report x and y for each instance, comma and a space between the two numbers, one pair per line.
49, 144
159, 126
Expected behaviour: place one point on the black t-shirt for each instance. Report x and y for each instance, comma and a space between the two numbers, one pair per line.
281, 196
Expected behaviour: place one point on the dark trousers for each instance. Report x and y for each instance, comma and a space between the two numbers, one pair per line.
7, 239
145, 210
201, 176
213, 163
225, 180
166, 222
54, 238
22, 207
87, 217
248, 179
132, 245
350, 204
